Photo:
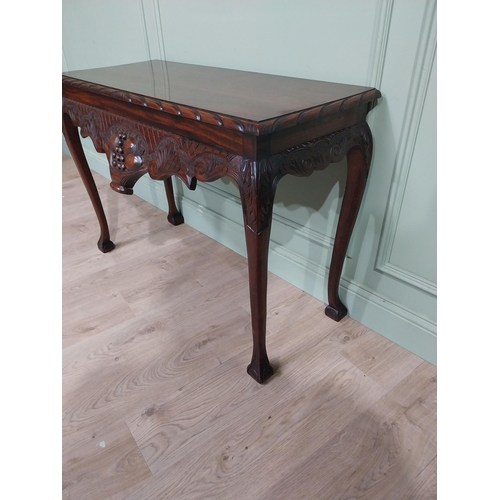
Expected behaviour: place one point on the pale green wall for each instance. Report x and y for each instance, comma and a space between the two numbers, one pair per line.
389, 280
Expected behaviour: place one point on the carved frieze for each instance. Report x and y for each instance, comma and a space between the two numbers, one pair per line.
258, 180
134, 149
190, 160
88, 119
303, 160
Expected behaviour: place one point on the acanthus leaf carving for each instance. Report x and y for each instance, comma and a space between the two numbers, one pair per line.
303, 160
258, 180
88, 119
164, 154
190, 160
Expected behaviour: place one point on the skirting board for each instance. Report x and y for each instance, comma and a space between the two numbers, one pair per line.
391, 320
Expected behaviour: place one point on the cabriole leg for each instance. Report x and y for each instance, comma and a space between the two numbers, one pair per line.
257, 196
258, 248
174, 216
358, 160
75, 146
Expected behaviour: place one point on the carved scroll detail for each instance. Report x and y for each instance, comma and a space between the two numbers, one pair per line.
303, 160
88, 119
134, 149
258, 180
190, 160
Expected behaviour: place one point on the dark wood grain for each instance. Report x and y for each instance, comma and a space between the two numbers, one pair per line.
249, 102
201, 124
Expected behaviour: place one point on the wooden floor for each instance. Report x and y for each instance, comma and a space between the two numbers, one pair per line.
156, 400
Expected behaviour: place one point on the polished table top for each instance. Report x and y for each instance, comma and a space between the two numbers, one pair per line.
255, 103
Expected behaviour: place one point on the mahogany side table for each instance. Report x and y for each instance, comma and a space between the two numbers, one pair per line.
202, 123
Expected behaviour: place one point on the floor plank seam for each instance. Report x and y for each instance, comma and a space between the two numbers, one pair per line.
175, 374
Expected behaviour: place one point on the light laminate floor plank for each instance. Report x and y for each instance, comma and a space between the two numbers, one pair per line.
156, 400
